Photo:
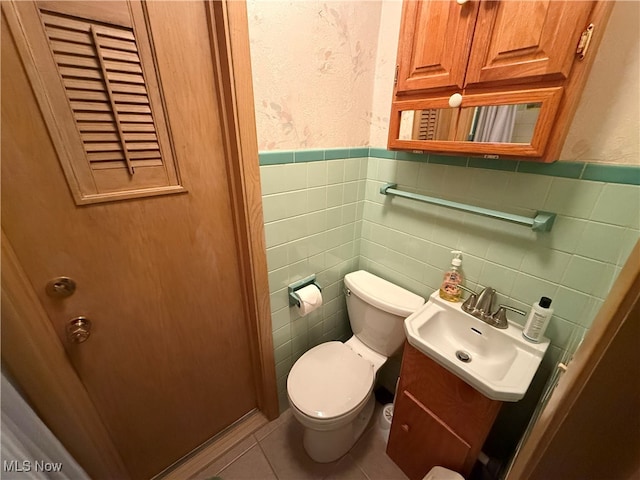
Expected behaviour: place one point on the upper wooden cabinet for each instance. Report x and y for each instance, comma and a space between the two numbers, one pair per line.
489, 51
525, 40
436, 40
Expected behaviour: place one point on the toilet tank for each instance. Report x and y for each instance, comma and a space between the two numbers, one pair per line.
377, 309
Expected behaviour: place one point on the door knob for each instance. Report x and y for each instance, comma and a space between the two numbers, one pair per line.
78, 330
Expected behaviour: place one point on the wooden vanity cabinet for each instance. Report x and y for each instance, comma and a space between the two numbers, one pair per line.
438, 419
494, 48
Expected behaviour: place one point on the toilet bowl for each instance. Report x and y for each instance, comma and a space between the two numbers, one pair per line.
330, 387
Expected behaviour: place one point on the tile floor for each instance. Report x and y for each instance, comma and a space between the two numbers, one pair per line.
275, 452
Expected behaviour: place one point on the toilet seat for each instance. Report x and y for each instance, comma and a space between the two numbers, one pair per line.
329, 381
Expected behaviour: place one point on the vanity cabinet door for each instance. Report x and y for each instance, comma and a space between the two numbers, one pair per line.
528, 41
435, 40
419, 440
438, 419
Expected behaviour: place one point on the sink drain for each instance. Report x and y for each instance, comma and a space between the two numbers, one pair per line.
463, 356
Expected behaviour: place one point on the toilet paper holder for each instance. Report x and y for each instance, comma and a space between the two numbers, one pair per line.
294, 299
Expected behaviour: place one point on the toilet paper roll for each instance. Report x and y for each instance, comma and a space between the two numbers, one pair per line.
310, 299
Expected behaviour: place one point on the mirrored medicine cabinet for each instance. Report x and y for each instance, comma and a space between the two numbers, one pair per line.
516, 70
489, 123
516, 123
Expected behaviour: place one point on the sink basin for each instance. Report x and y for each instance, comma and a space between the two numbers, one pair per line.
498, 363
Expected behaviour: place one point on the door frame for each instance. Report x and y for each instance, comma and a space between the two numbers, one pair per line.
229, 31
47, 378
621, 305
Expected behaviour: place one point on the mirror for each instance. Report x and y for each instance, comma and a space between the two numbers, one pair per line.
514, 123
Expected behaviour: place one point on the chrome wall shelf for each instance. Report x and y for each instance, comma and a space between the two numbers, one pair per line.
542, 222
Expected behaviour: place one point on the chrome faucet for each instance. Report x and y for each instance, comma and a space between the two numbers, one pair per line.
484, 303
481, 306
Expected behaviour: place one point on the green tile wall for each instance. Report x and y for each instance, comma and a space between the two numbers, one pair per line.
313, 220
328, 217
575, 264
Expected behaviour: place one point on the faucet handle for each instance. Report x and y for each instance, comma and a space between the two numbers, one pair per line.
512, 309
469, 304
499, 319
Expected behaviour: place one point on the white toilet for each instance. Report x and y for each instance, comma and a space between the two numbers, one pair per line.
330, 387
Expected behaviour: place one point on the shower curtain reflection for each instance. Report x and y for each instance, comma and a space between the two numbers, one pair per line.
494, 123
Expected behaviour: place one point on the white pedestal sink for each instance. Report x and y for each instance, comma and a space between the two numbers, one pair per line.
498, 363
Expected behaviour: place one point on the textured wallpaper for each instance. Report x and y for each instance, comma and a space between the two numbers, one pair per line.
323, 78
385, 72
313, 65
606, 126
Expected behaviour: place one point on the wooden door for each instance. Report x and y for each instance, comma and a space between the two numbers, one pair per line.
531, 40
435, 40
168, 362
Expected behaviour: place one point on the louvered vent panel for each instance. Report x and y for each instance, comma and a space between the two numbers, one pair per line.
428, 124
104, 82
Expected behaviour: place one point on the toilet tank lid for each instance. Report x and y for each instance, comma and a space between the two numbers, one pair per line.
383, 294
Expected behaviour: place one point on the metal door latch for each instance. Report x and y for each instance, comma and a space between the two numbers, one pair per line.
78, 330
60, 287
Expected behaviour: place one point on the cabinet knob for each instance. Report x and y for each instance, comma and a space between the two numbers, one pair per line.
461, 2
405, 427
455, 100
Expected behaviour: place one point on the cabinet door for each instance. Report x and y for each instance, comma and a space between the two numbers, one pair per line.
529, 129
419, 440
435, 40
532, 40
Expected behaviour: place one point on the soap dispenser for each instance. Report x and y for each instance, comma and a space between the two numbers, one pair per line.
450, 289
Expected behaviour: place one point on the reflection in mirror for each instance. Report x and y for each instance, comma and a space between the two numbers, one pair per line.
494, 123
429, 124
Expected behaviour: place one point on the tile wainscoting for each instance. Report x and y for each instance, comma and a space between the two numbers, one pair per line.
324, 215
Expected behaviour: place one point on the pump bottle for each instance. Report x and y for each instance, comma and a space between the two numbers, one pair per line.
450, 289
